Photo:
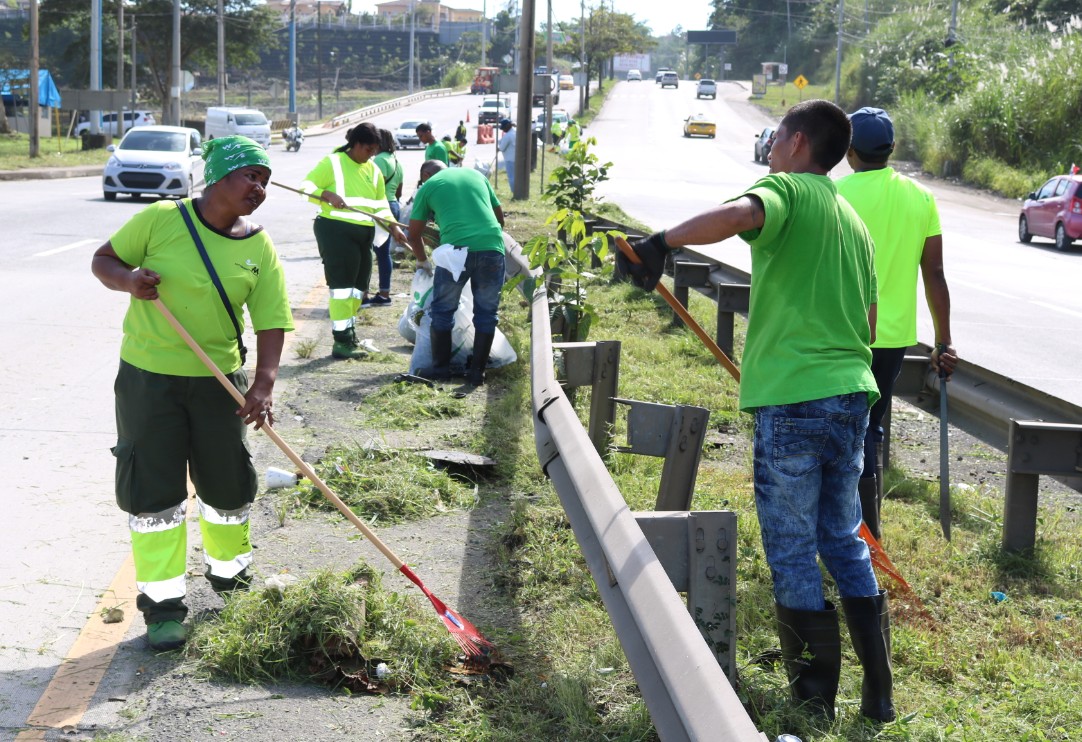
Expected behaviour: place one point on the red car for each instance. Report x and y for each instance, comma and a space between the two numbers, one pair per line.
1054, 211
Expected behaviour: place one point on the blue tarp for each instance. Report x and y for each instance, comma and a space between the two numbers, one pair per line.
18, 82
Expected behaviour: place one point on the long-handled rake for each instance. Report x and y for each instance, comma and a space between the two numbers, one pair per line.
385, 223
683, 314
476, 646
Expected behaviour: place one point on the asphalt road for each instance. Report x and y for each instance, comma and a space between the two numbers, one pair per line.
1016, 309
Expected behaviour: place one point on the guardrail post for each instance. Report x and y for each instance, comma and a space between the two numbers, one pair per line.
596, 365
733, 298
697, 552
1035, 448
675, 432
685, 275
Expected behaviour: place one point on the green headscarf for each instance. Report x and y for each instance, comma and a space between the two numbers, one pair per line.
226, 154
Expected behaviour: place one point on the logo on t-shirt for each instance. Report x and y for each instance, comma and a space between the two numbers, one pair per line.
249, 266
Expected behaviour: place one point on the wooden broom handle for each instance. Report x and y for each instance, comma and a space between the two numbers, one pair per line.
682, 313
383, 222
270, 431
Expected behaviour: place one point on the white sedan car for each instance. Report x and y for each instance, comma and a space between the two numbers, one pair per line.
405, 136
158, 160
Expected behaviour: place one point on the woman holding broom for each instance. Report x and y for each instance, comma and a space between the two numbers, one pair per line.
344, 184
172, 415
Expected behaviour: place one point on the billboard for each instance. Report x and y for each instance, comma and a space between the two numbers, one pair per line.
721, 36
625, 62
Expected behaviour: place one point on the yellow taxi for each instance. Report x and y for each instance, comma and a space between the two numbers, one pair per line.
700, 125
567, 82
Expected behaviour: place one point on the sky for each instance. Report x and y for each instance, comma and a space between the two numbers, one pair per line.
660, 15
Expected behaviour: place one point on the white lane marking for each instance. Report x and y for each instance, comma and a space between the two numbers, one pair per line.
1046, 305
64, 248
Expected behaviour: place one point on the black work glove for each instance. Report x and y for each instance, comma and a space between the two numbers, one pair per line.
652, 252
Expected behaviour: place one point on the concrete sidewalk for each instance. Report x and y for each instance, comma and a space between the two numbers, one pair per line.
46, 173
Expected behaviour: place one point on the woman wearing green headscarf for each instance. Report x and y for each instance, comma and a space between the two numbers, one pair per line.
172, 415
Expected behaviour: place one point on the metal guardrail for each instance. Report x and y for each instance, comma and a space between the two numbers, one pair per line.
351, 117
685, 690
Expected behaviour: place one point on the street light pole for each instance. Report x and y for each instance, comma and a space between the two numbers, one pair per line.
221, 52
413, 19
174, 88
319, 57
293, 61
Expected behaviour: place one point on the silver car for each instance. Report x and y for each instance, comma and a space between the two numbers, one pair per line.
158, 160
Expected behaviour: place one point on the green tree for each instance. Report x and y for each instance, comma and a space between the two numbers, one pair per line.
607, 34
249, 31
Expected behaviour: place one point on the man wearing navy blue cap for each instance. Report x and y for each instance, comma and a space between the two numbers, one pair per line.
902, 218
507, 146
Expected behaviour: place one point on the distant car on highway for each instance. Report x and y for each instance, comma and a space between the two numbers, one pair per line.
634, 76
156, 160
567, 82
1054, 211
492, 110
669, 79
700, 125
108, 123
706, 89
405, 136
763, 142
660, 74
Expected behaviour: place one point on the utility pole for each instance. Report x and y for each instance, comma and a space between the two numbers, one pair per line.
523, 139
319, 58
838, 60
484, 28
221, 52
584, 91
413, 24
293, 61
133, 63
174, 87
35, 94
120, 68
95, 60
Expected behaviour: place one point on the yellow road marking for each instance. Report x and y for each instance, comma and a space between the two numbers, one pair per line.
69, 693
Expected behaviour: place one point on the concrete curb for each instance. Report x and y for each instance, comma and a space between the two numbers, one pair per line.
48, 173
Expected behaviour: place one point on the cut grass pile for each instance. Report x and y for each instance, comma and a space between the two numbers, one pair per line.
386, 486
330, 628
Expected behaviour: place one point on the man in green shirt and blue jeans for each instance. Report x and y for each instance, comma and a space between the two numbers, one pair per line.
470, 218
807, 380
902, 218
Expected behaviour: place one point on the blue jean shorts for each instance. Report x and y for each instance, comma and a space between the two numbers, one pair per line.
808, 459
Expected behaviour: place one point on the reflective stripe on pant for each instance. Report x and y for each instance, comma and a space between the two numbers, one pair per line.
227, 548
159, 543
342, 306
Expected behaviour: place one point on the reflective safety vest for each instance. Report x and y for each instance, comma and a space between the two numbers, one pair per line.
361, 186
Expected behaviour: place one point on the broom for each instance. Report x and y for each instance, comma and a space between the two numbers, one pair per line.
476, 646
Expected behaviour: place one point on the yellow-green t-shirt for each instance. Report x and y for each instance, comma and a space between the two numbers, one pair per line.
900, 215
360, 185
437, 151
156, 238
813, 281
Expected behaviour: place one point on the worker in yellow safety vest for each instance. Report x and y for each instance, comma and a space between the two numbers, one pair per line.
573, 133
557, 134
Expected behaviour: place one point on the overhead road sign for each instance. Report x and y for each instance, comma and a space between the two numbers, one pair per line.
720, 36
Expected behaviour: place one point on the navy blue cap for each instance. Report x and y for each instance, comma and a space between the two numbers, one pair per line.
505, 123
873, 131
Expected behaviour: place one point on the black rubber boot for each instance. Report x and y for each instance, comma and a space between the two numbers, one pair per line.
482, 345
441, 357
869, 504
811, 650
869, 626
345, 345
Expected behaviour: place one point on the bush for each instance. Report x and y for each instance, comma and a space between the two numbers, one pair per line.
995, 175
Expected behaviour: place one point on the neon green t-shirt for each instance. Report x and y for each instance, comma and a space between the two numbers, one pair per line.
436, 151
462, 201
157, 238
900, 215
360, 185
392, 172
813, 281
